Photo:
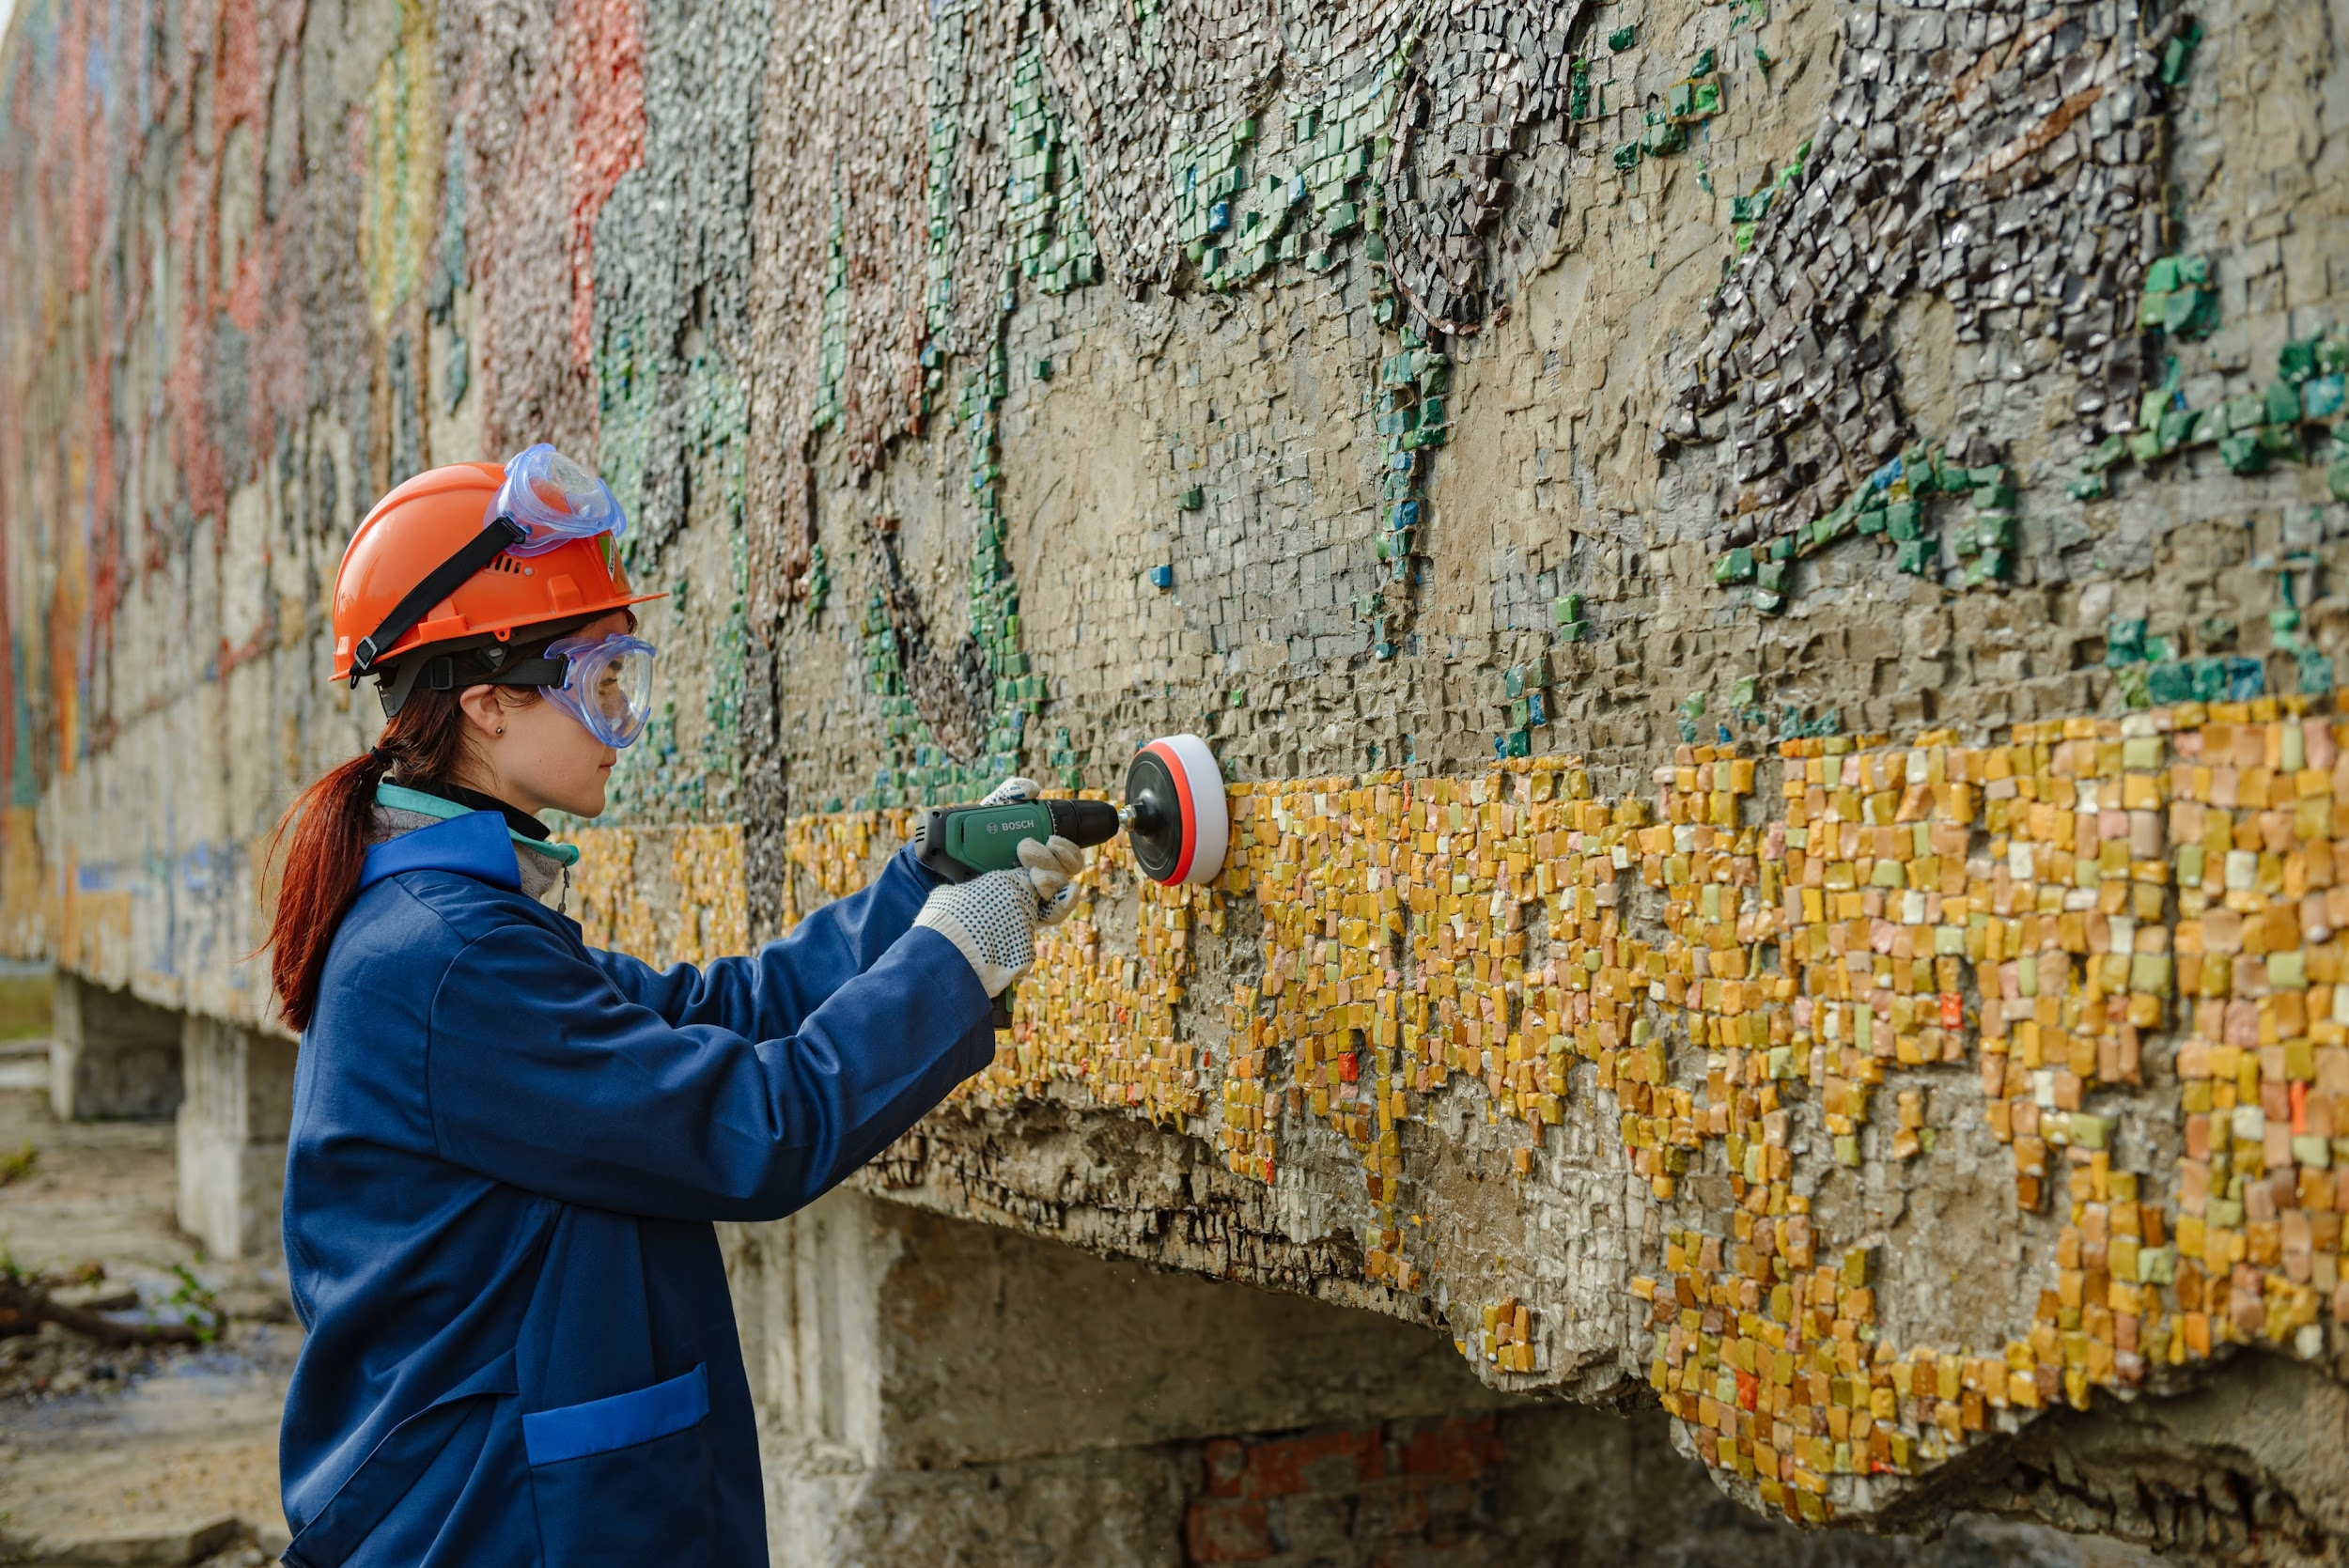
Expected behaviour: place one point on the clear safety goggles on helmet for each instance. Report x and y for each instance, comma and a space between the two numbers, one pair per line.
607, 686
552, 499
546, 501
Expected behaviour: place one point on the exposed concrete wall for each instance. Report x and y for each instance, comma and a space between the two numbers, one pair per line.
112, 1057
1527, 379
937, 1392
232, 1136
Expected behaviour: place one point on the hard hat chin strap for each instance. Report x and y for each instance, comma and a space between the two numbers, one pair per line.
499, 535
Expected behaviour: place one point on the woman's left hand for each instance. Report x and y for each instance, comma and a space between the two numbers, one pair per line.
1013, 792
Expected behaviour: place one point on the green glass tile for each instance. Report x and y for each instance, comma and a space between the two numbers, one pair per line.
2280, 440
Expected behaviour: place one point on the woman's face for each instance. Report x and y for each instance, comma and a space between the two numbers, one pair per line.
532, 755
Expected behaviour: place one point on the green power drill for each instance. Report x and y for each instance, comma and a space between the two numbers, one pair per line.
1175, 816
962, 841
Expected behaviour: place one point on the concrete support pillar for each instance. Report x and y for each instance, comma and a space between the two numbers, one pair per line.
115, 1058
232, 1137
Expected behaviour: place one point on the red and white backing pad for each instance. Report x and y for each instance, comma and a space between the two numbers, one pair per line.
1178, 824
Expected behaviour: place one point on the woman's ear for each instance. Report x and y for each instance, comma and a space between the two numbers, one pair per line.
483, 709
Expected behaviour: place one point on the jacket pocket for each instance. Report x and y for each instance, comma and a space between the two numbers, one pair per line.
625, 1481
392, 1469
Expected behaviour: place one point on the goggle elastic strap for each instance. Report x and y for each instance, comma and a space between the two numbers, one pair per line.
497, 535
440, 673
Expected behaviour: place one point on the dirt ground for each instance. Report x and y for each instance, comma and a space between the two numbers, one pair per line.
131, 1456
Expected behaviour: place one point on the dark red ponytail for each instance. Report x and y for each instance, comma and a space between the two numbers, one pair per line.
324, 838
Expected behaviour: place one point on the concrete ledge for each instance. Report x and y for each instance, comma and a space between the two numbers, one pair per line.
115, 1058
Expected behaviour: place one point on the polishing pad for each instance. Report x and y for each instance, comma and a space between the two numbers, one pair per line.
1177, 819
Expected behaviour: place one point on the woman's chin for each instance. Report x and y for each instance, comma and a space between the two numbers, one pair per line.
590, 803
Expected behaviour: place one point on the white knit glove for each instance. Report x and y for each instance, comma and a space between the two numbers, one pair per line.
994, 918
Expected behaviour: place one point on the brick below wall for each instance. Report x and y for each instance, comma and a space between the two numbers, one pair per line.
1391, 1494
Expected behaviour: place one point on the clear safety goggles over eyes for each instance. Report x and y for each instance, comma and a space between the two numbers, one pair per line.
552, 499
607, 686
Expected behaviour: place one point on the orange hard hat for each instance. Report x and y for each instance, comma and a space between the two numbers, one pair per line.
430, 565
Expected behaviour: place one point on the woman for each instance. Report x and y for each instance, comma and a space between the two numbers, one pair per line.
508, 1147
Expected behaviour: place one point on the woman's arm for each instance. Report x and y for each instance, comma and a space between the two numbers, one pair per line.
544, 1074
768, 994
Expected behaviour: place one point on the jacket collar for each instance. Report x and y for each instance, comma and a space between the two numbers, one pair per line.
473, 842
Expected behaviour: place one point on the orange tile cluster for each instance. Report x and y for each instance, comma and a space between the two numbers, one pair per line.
1765, 1354
1507, 1338
2044, 901
2258, 813
835, 849
2073, 878
1249, 1135
705, 869
1326, 884
697, 913
1395, 956
615, 910
1099, 1014
1719, 889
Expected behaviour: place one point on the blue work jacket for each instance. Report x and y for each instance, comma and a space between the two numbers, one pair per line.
508, 1150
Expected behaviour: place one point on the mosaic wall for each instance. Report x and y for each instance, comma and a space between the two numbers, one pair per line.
2099, 957
1760, 572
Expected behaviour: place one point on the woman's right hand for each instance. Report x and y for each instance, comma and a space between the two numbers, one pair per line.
993, 918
